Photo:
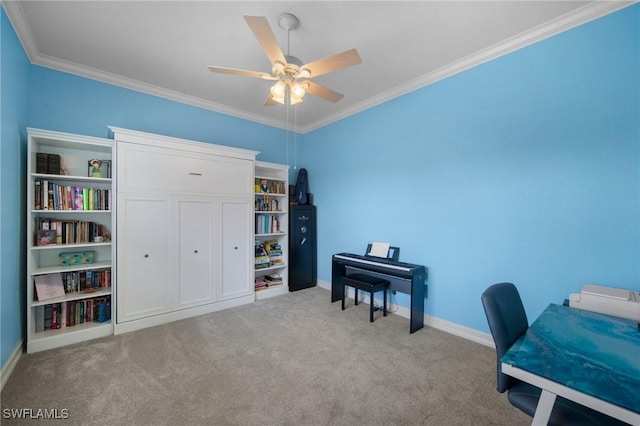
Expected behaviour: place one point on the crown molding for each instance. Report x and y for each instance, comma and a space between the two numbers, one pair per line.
150, 89
563, 23
18, 20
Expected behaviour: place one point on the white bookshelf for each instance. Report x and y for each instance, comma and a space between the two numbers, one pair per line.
75, 152
272, 207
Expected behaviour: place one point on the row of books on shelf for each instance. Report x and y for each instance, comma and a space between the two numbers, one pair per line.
267, 254
53, 231
53, 196
271, 280
267, 224
267, 204
68, 314
51, 286
79, 281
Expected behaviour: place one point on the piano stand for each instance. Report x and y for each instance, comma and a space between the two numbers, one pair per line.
369, 284
403, 277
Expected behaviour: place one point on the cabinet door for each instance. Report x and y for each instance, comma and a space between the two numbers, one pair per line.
196, 247
144, 256
236, 255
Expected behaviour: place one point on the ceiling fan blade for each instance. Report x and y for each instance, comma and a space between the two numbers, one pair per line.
333, 63
261, 29
323, 92
246, 73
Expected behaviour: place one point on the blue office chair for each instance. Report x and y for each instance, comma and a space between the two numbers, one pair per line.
508, 321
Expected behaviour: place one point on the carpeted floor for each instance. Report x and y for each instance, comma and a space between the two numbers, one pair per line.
296, 359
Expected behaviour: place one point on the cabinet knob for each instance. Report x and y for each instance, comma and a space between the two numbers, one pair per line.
195, 251
235, 248
146, 255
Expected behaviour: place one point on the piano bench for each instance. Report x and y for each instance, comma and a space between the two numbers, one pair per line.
369, 284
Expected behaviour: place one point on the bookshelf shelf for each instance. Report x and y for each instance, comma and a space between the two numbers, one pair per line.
270, 194
61, 268
76, 329
58, 152
272, 268
74, 296
70, 246
271, 215
50, 339
84, 179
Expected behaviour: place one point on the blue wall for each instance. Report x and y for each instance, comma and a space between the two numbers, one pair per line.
523, 169
14, 70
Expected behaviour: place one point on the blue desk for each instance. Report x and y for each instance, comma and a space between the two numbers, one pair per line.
587, 357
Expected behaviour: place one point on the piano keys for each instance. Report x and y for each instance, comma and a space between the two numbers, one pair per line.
403, 277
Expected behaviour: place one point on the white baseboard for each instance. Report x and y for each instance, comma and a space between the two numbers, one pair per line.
447, 326
10, 365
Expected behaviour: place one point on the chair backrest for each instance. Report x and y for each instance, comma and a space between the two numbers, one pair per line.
507, 320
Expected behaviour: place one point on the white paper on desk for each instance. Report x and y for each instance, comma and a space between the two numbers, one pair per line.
379, 249
49, 286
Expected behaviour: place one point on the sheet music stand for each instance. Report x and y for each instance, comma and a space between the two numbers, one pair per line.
393, 253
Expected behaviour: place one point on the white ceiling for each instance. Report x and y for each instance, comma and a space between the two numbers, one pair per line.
163, 47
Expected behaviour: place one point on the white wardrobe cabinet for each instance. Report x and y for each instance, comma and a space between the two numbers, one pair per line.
186, 228
145, 257
197, 252
237, 274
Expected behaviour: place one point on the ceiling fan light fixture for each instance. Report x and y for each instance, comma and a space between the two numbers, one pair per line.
278, 89
298, 90
277, 99
294, 99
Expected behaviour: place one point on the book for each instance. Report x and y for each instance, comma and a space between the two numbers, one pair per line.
37, 195
46, 237
45, 195
260, 284
41, 162
53, 164
58, 227
273, 279
49, 286
39, 318
54, 316
48, 313
78, 200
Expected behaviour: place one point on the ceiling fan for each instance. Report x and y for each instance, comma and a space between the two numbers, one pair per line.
289, 73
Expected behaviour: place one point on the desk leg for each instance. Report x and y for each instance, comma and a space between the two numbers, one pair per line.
543, 410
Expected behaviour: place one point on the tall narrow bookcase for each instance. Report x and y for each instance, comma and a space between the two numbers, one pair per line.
70, 239
271, 229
